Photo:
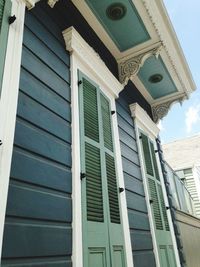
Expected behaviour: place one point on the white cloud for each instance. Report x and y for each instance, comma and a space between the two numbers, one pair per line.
192, 116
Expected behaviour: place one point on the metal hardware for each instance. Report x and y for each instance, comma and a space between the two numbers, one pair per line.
83, 175
112, 112
140, 137
156, 151
167, 208
150, 201
80, 82
1, 143
11, 19
121, 189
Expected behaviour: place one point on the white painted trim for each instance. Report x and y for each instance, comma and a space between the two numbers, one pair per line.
84, 59
8, 104
74, 42
147, 196
141, 117
144, 123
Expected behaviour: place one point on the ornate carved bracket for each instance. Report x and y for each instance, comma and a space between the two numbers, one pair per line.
31, 3
160, 111
131, 66
52, 3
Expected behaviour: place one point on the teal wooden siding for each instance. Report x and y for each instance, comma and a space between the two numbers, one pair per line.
38, 228
141, 239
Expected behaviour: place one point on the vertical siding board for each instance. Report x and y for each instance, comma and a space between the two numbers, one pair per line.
137, 210
38, 221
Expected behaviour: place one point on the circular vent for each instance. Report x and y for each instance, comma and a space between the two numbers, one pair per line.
116, 11
156, 78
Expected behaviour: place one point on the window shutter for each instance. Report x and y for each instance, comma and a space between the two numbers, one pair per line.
147, 156
156, 208
107, 132
154, 161
5, 11
91, 123
163, 208
93, 184
112, 189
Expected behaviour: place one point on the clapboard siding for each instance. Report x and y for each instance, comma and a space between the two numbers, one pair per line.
38, 228
137, 210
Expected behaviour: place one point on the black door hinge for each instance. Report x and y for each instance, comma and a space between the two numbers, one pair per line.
82, 176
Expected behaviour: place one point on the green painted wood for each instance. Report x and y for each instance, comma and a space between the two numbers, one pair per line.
49, 174
41, 239
51, 207
161, 225
5, 12
102, 229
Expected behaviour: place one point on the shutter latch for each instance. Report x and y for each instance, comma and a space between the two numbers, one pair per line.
11, 19
80, 82
112, 112
1, 143
83, 175
121, 189
150, 201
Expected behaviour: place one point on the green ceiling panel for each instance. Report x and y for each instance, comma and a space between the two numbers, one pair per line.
156, 66
126, 32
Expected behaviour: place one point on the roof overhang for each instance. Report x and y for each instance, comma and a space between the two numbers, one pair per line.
158, 50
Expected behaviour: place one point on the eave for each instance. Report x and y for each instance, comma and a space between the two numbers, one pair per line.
163, 44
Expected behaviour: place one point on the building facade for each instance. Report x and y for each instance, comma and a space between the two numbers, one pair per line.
184, 157
82, 179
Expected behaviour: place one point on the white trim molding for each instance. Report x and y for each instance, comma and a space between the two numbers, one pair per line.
145, 124
8, 104
31, 3
75, 43
141, 117
83, 58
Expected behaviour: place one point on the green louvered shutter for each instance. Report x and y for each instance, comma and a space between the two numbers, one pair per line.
161, 225
5, 11
102, 229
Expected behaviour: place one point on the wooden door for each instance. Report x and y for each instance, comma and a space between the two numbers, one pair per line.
103, 239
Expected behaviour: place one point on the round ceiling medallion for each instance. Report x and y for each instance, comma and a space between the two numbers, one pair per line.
116, 11
156, 78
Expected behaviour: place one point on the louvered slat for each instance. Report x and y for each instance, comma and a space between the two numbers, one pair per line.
147, 156
156, 208
154, 162
112, 189
90, 111
93, 184
164, 212
107, 132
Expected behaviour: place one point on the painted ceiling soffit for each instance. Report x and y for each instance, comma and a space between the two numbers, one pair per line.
31, 3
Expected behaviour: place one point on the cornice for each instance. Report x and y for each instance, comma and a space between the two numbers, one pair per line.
75, 44
142, 118
130, 67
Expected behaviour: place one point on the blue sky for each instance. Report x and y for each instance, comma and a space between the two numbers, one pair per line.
183, 121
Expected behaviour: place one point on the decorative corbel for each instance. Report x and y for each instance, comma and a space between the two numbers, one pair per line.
130, 67
160, 111
52, 3
31, 3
